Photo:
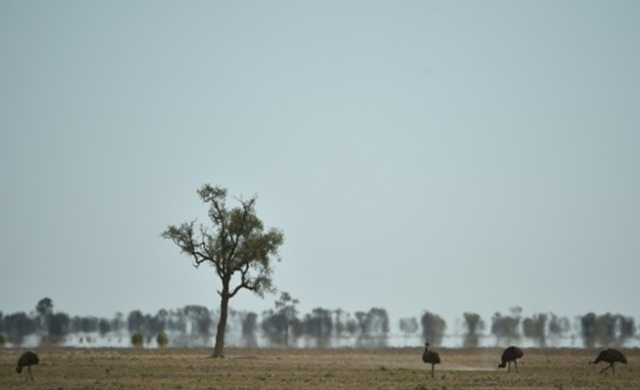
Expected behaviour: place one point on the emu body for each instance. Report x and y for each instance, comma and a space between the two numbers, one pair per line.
27, 359
430, 357
509, 355
610, 356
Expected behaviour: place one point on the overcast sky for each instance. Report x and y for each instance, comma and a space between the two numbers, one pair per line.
418, 155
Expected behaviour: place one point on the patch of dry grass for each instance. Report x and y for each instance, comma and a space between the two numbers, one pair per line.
402, 368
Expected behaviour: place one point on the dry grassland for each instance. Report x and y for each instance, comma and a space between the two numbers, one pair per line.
402, 368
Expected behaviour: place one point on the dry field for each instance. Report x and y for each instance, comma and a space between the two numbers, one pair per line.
401, 368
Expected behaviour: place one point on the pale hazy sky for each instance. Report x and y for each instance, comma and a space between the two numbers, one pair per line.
418, 155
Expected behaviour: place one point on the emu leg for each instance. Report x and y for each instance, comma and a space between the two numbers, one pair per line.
606, 368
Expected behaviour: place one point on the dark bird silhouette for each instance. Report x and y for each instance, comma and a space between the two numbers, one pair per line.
510, 355
610, 356
27, 359
430, 357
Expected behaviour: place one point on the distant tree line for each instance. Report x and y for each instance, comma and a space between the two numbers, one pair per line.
284, 326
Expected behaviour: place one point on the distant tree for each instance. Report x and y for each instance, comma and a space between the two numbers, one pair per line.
505, 328
75, 324
158, 323
136, 322
148, 329
200, 319
288, 312
361, 319
117, 323
433, 328
606, 329
249, 327
318, 326
177, 322
627, 329
3, 339
374, 327
58, 327
614, 329
18, 326
90, 324
408, 326
535, 329
343, 325
278, 322
44, 308
558, 327
588, 330
236, 245
55, 325
475, 326
104, 326
273, 326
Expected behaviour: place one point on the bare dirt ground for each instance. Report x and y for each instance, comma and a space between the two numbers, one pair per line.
398, 368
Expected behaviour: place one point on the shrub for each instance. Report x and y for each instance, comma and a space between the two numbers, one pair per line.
137, 340
162, 340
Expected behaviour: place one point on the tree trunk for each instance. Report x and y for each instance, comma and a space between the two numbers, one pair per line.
218, 350
286, 334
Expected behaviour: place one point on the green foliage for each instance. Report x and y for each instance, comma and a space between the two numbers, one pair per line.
3, 339
162, 340
235, 243
45, 307
137, 339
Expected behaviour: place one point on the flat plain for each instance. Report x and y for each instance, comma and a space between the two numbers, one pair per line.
392, 368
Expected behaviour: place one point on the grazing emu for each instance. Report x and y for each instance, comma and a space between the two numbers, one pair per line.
27, 359
610, 356
510, 355
430, 357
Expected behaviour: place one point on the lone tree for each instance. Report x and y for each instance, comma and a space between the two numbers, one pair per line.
236, 245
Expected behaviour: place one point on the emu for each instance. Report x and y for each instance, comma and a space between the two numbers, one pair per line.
430, 357
610, 356
27, 359
510, 355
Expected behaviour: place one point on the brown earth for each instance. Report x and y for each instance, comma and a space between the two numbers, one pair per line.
397, 368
